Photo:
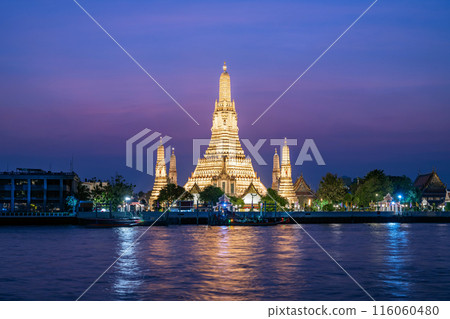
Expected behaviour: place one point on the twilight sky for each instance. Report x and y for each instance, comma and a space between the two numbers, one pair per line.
380, 98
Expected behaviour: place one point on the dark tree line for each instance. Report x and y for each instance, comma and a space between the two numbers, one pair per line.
363, 192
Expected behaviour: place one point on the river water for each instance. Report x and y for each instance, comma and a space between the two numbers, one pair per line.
391, 261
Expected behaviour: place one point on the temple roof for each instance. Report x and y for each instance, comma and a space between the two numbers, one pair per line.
421, 180
195, 189
301, 188
430, 183
224, 199
251, 189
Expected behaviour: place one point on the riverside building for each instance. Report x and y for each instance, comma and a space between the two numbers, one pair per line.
36, 190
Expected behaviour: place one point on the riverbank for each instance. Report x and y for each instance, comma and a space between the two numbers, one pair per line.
203, 218
199, 218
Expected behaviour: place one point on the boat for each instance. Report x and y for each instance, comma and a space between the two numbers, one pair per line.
256, 222
110, 222
229, 220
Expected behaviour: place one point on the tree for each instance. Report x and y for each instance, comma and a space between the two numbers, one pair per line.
71, 202
237, 201
170, 193
403, 185
272, 197
83, 192
321, 204
372, 188
332, 189
116, 190
211, 194
98, 195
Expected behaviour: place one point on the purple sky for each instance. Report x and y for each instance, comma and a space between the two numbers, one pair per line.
380, 98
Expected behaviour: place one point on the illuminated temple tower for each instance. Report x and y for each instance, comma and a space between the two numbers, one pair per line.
276, 171
173, 168
224, 163
286, 187
160, 174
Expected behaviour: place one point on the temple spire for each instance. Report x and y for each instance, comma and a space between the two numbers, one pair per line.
224, 163
173, 168
286, 187
276, 171
160, 173
285, 153
224, 85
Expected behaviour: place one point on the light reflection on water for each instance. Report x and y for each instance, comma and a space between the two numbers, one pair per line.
396, 260
127, 279
391, 261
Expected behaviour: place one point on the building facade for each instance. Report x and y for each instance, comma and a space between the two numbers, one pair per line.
224, 163
35, 190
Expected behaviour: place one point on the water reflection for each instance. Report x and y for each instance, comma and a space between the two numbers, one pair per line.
268, 263
126, 278
391, 261
220, 263
395, 274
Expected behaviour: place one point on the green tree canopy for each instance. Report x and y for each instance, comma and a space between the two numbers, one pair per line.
403, 185
98, 194
116, 190
332, 189
83, 192
170, 193
373, 187
272, 197
237, 201
211, 194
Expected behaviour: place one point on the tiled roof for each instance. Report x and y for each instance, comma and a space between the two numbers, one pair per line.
301, 188
422, 180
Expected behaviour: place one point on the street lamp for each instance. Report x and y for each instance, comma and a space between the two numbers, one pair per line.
127, 207
253, 195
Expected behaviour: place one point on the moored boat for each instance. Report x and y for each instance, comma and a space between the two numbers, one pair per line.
229, 220
110, 222
256, 222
